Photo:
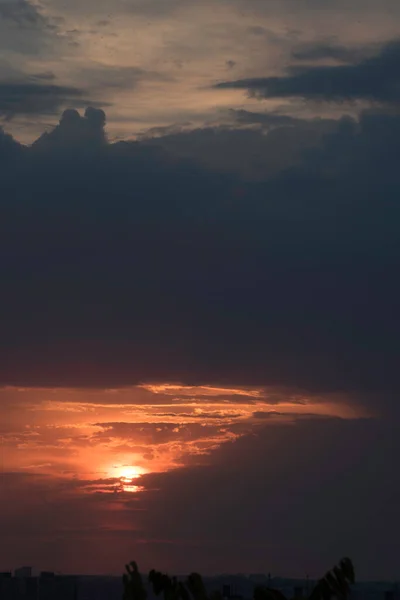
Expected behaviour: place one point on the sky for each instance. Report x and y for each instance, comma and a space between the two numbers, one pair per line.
199, 309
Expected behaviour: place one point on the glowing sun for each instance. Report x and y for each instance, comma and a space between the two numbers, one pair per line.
127, 475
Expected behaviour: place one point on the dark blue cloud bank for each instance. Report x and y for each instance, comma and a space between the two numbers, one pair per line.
121, 263
360, 75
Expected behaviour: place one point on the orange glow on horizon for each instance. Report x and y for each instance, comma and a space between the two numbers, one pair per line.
110, 442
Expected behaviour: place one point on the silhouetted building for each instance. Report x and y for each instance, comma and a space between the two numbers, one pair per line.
7, 586
258, 578
23, 572
31, 588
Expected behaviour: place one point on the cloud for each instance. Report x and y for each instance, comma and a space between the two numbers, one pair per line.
202, 415
45, 75
243, 147
40, 511
323, 51
267, 119
154, 8
198, 276
100, 77
25, 29
187, 285
23, 13
31, 98
269, 492
75, 131
373, 79
9, 148
203, 391
263, 493
153, 433
272, 414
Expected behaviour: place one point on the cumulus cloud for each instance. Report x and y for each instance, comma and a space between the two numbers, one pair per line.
76, 131
152, 268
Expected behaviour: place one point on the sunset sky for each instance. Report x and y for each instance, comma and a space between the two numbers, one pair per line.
199, 304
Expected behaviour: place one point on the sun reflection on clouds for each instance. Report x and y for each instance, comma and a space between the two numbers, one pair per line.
127, 472
144, 430
202, 390
127, 476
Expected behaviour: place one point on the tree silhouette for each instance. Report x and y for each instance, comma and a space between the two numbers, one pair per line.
133, 584
262, 592
172, 589
334, 584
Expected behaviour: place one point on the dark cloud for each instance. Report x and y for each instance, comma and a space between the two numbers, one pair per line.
45, 75
270, 414
237, 149
50, 517
161, 433
323, 51
291, 499
157, 9
123, 263
75, 131
268, 119
373, 79
9, 148
257, 30
30, 98
202, 415
26, 29
23, 13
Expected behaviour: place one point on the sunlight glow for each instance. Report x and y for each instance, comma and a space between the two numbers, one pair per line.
127, 476
201, 390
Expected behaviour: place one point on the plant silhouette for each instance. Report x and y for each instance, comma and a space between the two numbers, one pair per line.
334, 584
133, 584
172, 589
